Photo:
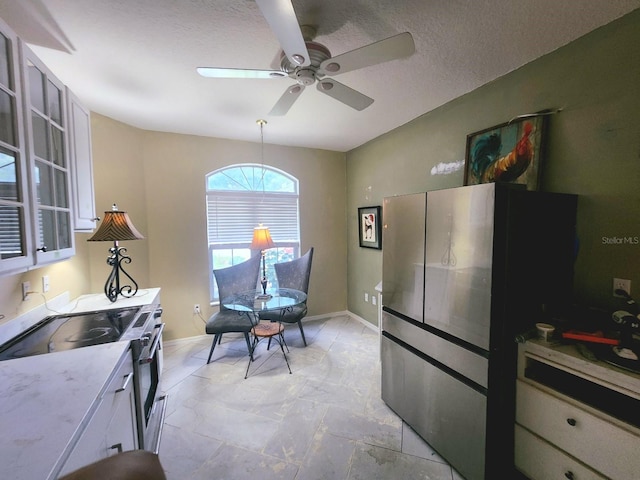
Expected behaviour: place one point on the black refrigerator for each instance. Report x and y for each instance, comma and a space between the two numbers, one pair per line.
464, 271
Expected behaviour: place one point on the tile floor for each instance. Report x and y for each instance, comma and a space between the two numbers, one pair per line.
325, 421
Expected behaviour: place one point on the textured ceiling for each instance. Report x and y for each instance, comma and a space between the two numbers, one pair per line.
135, 60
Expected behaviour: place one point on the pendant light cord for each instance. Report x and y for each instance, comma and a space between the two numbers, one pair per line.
262, 123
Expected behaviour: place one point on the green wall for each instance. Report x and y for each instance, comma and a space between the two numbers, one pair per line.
593, 151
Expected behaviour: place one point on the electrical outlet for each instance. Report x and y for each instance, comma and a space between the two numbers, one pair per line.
373, 299
45, 283
366, 297
621, 284
26, 288
196, 309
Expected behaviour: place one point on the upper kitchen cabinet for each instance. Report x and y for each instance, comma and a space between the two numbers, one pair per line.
16, 252
47, 132
81, 160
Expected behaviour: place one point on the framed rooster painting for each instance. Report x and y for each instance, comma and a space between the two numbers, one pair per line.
508, 153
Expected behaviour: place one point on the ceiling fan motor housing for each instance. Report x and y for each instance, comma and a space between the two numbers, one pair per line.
306, 76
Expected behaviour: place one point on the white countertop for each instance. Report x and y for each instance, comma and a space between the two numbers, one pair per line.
597, 371
43, 402
46, 400
99, 301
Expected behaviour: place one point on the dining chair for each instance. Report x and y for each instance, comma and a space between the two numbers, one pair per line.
231, 280
293, 274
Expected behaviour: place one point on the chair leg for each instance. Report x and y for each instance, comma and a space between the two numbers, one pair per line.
282, 342
302, 332
246, 337
216, 338
251, 349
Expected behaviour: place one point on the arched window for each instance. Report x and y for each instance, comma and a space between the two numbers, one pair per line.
239, 198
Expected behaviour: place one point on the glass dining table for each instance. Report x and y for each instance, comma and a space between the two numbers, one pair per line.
252, 303
282, 299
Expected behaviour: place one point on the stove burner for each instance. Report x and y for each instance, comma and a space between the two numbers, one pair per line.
70, 331
89, 335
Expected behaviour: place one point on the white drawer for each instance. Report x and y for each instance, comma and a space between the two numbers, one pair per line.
609, 449
112, 427
539, 460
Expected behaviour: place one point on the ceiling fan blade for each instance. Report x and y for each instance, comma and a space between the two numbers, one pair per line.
391, 48
287, 99
282, 19
344, 94
212, 72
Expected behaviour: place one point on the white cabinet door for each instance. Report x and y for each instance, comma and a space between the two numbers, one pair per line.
112, 428
81, 163
46, 126
16, 249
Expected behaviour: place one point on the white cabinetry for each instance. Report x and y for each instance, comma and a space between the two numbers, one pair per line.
575, 419
81, 160
16, 252
46, 129
112, 427
46, 172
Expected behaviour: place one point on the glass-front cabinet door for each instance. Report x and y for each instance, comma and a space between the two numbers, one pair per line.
48, 160
16, 250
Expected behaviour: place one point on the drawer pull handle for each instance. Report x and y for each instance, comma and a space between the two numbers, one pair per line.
569, 475
126, 383
117, 446
572, 422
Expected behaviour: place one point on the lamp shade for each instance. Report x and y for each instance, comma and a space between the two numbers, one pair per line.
261, 238
115, 226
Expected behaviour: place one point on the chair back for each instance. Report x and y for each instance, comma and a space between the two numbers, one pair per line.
295, 274
237, 278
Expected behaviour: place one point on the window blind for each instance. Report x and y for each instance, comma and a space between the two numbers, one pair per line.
232, 216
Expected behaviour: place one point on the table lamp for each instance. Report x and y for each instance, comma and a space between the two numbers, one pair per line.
262, 241
116, 227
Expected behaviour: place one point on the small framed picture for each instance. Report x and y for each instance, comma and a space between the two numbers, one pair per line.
509, 153
370, 224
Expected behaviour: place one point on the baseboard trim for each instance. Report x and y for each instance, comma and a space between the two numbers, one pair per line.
358, 318
365, 322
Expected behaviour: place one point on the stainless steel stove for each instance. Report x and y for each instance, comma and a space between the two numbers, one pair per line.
140, 325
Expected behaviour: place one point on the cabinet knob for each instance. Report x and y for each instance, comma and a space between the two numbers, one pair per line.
569, 475
571, 421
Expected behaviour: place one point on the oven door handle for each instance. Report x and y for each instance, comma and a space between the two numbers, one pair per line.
154, 345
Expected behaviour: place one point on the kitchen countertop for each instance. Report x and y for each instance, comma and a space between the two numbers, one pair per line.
568, 354
46, 400
84, 303
99, 301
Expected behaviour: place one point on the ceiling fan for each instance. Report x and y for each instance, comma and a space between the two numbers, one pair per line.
306, 61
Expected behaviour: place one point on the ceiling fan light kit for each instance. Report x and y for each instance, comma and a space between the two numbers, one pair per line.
306, 61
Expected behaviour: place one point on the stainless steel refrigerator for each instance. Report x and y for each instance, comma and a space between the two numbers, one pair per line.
464, 270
